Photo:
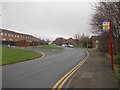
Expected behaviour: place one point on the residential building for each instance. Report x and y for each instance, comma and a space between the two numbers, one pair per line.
60, 41
95, 41
17, 39
72, 41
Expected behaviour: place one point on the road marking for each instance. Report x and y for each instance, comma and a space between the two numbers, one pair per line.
62, 81
43, 55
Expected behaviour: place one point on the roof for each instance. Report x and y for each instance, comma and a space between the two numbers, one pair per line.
5, 30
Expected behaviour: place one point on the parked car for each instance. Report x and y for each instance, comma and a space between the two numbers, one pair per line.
71, 46
64, 45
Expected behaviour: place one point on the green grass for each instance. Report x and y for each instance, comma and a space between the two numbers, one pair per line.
12, 55
50, 47
117, 59
117, 70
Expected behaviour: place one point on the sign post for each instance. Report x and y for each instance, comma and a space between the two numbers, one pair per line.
107, 27
111, 45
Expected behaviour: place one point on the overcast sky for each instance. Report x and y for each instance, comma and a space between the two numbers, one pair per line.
47, 19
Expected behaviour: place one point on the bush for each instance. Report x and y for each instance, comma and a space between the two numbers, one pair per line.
117, 60
118, 69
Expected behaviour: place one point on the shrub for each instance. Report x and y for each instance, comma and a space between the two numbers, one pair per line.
117, 59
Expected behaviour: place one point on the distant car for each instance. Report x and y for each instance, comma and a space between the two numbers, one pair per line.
71, 46
63, 45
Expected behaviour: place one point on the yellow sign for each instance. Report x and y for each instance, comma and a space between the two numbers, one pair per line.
106, 27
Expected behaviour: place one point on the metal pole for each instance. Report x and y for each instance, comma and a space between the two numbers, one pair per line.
111, 45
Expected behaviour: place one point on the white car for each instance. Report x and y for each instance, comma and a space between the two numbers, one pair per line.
70, 46
63, 45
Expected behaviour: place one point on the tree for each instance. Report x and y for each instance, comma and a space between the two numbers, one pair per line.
77, 37
103, 11
82, 40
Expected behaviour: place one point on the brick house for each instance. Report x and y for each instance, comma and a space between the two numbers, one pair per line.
95, 41
17, 39
60, 41
72, 41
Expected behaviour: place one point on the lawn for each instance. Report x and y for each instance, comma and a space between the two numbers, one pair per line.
12, 55
118, 71
50, 47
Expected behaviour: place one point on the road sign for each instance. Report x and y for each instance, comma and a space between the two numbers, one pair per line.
106, 25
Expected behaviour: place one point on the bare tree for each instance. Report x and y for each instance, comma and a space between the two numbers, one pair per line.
77, 37
82, 40
107, 10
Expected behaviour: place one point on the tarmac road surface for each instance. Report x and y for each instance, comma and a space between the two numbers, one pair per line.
41, 72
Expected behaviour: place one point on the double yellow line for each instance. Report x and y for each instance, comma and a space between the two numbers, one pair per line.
62, 81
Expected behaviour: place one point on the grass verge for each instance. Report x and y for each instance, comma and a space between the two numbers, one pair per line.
117, 71
116, 64
12, 55
50, 47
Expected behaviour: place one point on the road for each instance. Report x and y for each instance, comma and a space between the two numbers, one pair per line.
41, 72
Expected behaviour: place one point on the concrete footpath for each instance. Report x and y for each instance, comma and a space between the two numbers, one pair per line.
95, 73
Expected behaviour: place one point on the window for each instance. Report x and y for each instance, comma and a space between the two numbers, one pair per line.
8, 34
1, 33
5, 34
11, 40
4, 39
96, 41
12, 35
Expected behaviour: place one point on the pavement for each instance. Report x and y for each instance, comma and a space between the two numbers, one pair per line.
95, 73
